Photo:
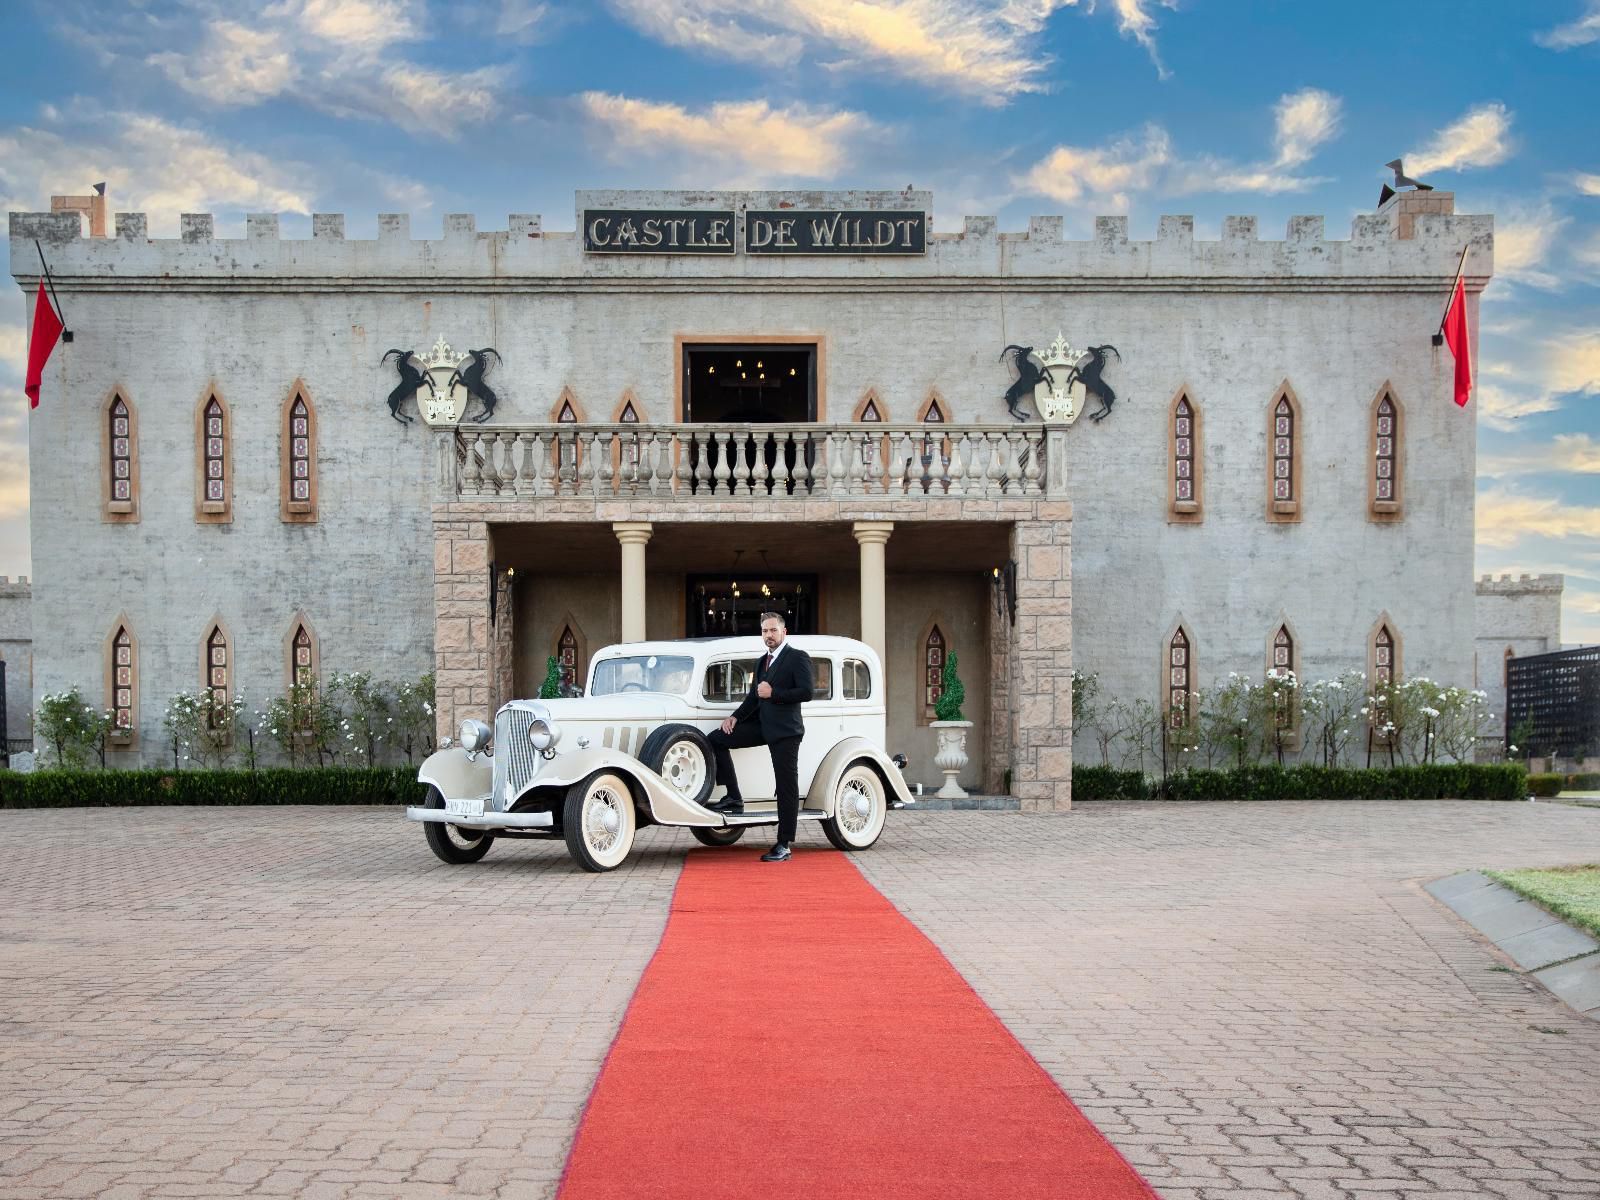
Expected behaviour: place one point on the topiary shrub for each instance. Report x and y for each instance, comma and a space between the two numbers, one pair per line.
1546, 784
550, 689
951, 694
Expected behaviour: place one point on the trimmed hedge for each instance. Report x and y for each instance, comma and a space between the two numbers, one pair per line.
1546, 784
1435, 781
282, 785
1589, 781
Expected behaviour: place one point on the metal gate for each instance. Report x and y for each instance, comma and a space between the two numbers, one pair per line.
1560, 694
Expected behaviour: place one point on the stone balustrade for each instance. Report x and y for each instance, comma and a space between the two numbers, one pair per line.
766, 460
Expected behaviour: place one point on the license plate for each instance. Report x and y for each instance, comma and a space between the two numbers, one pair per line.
464, 808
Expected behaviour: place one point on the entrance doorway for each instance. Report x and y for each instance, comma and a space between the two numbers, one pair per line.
750, 384
722, 606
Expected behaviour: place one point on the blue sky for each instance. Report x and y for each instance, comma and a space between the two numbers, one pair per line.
1008, 107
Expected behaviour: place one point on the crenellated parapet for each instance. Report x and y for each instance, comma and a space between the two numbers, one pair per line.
1410, 245
1525, 585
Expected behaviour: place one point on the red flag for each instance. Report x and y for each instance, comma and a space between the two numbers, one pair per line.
46, 329
1455, 334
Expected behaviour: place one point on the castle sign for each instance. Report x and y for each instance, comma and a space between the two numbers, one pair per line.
765, 231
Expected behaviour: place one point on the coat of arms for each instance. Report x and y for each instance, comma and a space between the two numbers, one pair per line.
444, 383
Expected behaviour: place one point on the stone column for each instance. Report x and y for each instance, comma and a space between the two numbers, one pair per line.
873, 536
462, 642
633, 535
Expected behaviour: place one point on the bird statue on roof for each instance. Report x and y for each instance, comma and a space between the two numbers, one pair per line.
1401, 180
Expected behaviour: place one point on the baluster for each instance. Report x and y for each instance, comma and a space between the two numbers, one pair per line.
916, 471
546, 456
743, 464
522, 442
472, 481
760, 474
994, 469
632, 461
935, 484
780, 464
958, 470
491, 477
702, 468
804, 459
645, 450
508, 471
1013, 466
838, 462
586, 464
566, 478
688, 449
1033, 470
855, 461
724, 470
875, 467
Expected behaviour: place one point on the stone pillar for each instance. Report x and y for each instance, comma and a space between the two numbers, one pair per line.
462, 641
1041, 661
873, 536
633, 535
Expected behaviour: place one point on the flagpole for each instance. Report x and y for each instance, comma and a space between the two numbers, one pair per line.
66, 334
1438, 334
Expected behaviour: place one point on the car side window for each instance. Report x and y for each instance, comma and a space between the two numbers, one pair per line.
822, 679
857, 680
727, 682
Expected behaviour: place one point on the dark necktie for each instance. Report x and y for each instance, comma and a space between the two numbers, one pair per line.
768, 667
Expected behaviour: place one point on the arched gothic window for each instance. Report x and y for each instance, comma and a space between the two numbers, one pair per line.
219, 666
567, 658
304, 666
567, 414
1385, 668
934, 650
1284, 482
1185, 462
1283, 663
1180, 678
214, 459
1384, 483
298, 486
124, 681
121, 490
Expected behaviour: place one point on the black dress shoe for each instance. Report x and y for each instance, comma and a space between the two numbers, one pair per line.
779, 853
736, 807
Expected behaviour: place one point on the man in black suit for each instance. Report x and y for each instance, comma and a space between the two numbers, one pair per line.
770, 716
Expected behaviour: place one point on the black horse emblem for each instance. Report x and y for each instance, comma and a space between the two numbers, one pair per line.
470, 376
1030, 375
1089, 376
412, 379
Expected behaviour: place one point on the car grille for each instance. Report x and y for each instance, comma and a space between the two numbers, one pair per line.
515, 759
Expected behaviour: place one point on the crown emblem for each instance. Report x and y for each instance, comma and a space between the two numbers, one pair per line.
442, 356
1060, 353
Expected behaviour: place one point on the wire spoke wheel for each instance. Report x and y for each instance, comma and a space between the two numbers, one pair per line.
860, 804
599, 821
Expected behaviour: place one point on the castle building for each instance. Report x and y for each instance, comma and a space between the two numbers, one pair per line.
694, 406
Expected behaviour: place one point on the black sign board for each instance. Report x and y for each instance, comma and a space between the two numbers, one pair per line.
658, 231
835, 231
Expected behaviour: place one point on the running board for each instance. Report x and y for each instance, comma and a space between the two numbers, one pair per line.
768, 816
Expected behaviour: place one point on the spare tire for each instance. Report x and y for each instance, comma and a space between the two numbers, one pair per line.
682, 757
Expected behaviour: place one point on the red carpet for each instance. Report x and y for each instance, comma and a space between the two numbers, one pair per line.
795, 1035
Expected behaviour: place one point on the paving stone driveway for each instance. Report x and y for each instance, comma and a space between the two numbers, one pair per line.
1251, 1000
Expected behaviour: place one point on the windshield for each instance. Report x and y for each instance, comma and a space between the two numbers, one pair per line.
642, 673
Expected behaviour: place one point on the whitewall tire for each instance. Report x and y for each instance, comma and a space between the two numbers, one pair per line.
860, 804
599, 822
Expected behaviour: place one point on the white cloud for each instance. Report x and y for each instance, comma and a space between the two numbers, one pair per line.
1305, 120
439, 102
1587, 185
1101, 175
1566, 454
1480, 138
751, 138
1571, 362
1107, 175
1500, 407
1580, 32
1533, 375
367, 26
235, 65
986, 50
1523, 240
13, 349
150, 165
1505, 517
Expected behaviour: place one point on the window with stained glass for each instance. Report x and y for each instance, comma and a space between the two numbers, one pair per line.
569, 442
1383, 655
302, 660
122, 680
1180, 669
1283, 435
934, 442
299, 451
1183, 451
1384, 447
215, 457
1283, 664
869, 411
121, 451
567, 657
933, 656
217, 671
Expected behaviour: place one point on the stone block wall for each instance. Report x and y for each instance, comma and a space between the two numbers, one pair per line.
1521, 616
16, 649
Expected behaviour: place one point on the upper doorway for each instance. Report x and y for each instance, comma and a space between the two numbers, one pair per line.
756, 383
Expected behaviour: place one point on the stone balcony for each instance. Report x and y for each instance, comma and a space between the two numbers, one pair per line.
772, 462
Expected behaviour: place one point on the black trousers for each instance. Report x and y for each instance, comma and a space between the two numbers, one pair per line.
785, 770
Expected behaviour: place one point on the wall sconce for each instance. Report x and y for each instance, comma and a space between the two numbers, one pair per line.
1005, 590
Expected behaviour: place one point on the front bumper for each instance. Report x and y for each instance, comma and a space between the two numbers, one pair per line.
488, 820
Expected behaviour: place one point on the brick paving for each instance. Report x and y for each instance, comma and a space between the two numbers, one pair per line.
1251, 1000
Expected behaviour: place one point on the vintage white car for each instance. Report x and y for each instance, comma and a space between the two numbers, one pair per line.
632, 751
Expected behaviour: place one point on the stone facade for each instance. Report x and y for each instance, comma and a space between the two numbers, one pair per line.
1234, 325
1514, 618
16, 651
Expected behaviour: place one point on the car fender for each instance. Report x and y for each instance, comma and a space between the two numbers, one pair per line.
458, 775
665, 806
825, 783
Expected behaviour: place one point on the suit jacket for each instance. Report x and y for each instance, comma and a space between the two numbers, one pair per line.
792, 681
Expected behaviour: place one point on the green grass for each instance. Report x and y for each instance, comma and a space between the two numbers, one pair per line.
1570, 892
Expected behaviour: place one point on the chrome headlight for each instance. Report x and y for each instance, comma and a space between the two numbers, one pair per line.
474, 736
543, 733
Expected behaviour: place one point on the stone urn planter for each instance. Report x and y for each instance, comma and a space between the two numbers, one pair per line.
952, 755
